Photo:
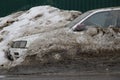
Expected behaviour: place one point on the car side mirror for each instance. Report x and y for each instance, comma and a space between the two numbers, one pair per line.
80, 27
26, 47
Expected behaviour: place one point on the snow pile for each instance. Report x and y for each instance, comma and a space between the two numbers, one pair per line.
63, 44
36, 20
56, 42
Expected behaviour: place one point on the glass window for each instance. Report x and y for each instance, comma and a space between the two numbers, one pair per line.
98, 19
118, 19
78, 19
19, 44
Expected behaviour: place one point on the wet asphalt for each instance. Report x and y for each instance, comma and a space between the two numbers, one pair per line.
82, 76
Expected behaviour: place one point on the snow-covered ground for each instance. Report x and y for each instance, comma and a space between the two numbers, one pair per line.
36, 20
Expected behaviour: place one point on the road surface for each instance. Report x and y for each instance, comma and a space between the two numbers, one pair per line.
81, 76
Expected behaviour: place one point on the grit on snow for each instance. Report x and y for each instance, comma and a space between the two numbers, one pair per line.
56, 42
36, 20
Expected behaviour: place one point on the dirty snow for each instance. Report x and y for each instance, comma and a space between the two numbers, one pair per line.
64, 44
56, 42
36, 20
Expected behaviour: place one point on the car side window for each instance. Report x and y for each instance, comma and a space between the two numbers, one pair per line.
102, 19
98, 19
118, 19
95, 20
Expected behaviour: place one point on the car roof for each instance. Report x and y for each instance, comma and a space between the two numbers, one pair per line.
105, 9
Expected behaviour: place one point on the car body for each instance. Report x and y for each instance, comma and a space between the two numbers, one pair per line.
106, 17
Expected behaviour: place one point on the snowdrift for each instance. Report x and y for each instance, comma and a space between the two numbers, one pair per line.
56, 42
38, 19
63, 44
65, 50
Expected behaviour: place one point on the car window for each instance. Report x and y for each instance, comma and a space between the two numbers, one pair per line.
78, 19
118, 21
101, 19
98, 19
118, 18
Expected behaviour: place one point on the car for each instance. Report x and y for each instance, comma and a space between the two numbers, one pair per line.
95, 18
104, 18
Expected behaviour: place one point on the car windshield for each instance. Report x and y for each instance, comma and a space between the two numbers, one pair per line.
78, 19
19, 44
